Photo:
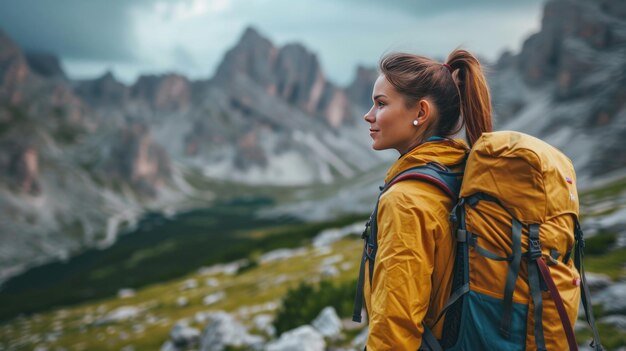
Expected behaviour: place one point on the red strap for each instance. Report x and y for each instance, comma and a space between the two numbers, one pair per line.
558, 302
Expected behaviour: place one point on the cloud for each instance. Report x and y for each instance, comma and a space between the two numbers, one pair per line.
71, 28
191, 36
426, 8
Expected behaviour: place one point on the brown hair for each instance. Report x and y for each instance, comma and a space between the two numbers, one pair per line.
459, 91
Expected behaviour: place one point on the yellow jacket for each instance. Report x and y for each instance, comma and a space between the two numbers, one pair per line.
413, 268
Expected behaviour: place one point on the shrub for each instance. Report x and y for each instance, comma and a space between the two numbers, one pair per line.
600, 243
302, 304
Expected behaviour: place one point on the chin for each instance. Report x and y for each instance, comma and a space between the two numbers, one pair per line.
378, 147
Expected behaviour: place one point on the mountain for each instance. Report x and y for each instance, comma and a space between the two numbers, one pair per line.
567, 85
82, 160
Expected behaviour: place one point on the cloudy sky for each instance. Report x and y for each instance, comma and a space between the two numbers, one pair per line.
131, 37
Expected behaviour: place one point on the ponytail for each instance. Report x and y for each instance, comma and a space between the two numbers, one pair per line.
474, 93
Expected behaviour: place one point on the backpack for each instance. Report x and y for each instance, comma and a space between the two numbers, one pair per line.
518, 275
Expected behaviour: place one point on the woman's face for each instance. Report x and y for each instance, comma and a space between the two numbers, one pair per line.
391, 123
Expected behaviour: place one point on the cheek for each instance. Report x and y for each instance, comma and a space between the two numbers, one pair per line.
387, 120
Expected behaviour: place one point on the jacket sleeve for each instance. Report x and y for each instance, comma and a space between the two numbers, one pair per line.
401, 283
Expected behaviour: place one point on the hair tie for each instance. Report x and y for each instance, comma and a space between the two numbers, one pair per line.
448, 67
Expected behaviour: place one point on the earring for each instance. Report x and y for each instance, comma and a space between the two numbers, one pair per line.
415, 122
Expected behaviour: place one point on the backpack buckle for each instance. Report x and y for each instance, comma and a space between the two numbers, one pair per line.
534, 249
365, 233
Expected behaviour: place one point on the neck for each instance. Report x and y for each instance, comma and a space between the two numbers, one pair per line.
419, 142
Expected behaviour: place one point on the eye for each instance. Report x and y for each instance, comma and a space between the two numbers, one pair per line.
380, 103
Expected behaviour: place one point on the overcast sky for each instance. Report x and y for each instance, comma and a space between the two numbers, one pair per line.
132, 37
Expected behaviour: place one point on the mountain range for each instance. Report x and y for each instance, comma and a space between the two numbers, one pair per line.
80, 161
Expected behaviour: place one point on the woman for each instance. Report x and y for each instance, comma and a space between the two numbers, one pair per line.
418, 104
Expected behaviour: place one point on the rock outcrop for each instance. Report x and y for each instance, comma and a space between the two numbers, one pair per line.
568, 84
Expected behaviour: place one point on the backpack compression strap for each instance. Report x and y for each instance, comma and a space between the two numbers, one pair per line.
558, 302
433, 173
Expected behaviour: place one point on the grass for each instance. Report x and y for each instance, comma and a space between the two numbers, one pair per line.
612, 263
610, 190
255, 286
610, 337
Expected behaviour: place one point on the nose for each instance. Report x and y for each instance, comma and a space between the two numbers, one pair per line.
369, 116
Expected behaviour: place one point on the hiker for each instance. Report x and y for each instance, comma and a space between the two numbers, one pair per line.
417, 108
492, 262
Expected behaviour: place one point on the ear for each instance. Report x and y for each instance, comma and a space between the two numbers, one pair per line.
424, 111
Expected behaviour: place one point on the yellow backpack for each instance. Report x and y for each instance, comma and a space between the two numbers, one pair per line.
518, 269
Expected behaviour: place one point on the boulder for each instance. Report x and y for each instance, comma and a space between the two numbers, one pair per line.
223, 330
597, 281
328, 322
184, 336
612, 298
263, 322
304, 338
360, 340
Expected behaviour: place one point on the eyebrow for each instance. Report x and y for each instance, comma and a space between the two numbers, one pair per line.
379, 95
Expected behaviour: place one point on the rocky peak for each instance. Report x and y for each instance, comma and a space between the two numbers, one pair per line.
360, 90
567, 26
169, 92
105, 90
299, 77
137, 158
291, 73
253, 56
14, 71
8, 49
45, 64
21, 162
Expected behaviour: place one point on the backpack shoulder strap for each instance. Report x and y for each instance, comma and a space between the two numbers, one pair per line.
437, 174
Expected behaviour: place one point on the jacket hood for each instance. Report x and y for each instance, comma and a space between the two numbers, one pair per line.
448, 152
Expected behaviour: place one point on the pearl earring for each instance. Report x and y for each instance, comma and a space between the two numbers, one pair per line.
415, 122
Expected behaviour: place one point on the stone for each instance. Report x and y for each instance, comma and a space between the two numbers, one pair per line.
125, 293
182, 301
168, 346
182, 335
329, 271
213, 298
330, 260
224, 330
263, 322
119, 314
597, 281
189, 284
304, 338
212, 282
360, 340
328, 323
612, 298
281, 254
329, 236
